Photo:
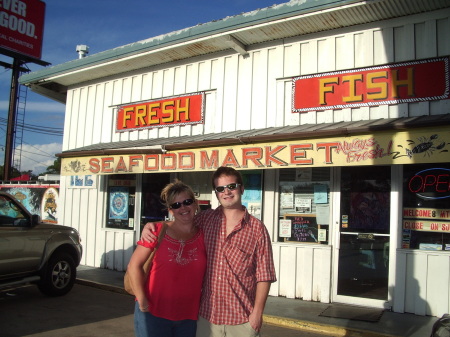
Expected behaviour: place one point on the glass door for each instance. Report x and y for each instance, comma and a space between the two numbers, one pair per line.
363, 236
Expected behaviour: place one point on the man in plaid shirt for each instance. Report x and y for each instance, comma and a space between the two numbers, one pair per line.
240, 265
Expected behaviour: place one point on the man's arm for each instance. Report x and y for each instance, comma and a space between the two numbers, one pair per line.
256, 317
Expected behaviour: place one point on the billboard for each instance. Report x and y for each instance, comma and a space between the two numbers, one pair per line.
22, 26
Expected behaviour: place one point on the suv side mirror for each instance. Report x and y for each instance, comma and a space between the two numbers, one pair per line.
35, 219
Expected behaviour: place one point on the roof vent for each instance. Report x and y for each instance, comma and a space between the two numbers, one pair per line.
82, 50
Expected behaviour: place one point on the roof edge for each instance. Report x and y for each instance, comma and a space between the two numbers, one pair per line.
258, 16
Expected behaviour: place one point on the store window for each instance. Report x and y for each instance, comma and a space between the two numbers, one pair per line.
426, 207
121, 200
304, 205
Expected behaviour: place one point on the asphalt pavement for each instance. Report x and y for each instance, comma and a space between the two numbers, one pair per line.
296, 314
84, 312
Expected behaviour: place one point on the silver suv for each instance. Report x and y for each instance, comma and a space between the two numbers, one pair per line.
35, 252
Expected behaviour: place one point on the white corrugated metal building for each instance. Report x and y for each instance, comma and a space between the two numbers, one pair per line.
337, 113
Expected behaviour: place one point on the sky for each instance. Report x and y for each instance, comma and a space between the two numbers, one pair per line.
101, 25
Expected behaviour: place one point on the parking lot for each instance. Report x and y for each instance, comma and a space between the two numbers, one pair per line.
85, 311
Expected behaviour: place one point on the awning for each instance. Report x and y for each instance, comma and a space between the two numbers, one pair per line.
410, 140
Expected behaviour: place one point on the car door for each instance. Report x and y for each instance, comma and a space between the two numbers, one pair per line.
21, 244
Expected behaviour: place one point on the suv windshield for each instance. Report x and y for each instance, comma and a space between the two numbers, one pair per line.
10, 214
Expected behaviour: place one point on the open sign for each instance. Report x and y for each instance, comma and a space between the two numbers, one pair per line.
431, 184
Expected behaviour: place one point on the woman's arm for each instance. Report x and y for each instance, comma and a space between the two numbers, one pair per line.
137, 275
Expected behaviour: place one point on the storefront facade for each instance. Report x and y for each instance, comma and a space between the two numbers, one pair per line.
337, 116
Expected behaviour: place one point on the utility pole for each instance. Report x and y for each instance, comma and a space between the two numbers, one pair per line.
9, 145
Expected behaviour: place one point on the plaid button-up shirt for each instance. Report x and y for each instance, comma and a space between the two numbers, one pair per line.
234, 266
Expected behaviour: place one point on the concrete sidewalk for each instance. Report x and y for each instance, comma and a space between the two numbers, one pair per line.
294, 313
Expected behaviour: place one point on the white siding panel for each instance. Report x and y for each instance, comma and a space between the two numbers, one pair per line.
361, 114
363, 49
342, 115
108, 113
73, 119
378, 112
217, 79
92, 226
404, 43
118, 98
345, 57
82, 116
383, 41
308, 58
425, 36
99, 220
305, 273
259, 90
443, 27
69, 111
275, 70
275, 287
229, 120
244, 93
399, 296
324, 116
326, 50
439, 107
291, 60
204, 81
438, 285
419, 109
90, 115
110, 249
424, 293
397, 111
290, 117
210, 106
98, 114
288, 268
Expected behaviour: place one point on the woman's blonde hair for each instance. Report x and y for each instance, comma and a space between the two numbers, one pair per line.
171, 191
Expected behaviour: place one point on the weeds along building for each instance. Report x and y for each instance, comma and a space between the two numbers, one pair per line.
335, 112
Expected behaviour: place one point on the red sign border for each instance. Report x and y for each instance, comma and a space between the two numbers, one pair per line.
202, 112
445, 95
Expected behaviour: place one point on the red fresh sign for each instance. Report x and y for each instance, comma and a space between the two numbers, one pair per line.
176, 110
415, 81
22, 26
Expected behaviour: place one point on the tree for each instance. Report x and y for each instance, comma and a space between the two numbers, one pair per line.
55, 168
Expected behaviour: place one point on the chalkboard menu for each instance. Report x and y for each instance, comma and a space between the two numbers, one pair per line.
304, 228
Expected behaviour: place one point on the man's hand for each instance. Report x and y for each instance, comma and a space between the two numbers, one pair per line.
149, 232
255, 320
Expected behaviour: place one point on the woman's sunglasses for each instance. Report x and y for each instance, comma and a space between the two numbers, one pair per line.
186, 202
231, 187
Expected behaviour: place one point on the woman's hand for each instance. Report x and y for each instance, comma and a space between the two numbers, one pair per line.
143, 304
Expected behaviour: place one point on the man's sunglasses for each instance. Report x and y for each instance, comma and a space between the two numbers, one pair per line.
231, 187
186, 202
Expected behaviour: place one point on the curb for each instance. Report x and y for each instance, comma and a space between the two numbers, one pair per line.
328, 329
102, 286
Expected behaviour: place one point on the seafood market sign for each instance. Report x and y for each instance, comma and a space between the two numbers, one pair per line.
381, 85
424, 145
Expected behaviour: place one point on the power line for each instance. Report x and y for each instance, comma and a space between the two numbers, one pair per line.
36, 128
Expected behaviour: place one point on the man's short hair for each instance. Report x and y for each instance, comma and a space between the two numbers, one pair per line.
226, 171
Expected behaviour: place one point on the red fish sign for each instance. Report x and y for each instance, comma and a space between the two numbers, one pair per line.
381, 85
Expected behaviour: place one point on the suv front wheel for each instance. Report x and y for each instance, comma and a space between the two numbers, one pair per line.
58, 277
